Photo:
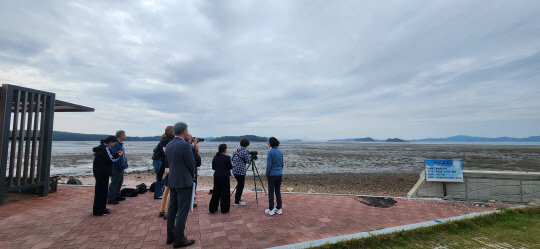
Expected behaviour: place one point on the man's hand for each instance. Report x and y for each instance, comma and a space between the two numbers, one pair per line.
195, 140
120, 152
194, 176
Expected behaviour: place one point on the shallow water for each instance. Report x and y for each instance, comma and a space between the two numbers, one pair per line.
70, 158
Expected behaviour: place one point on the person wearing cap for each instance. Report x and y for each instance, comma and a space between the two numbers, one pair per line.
102, 169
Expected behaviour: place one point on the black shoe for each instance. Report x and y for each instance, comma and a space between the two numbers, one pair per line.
194, 205
170, 241
120, 199
184, 243
113, 202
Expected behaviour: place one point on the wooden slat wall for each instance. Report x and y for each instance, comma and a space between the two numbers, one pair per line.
30, 121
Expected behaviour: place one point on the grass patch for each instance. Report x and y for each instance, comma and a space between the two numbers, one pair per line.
510, 228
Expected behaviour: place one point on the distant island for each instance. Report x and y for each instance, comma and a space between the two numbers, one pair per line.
70, 136
367, 139
251, 138
463, 138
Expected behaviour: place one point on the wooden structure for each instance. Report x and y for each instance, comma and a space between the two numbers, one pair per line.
26, 127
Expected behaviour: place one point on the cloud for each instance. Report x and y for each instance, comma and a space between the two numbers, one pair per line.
281, 68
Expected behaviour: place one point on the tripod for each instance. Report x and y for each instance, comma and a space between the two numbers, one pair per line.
255, 171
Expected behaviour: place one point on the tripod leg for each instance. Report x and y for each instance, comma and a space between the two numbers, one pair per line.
259, 178
255, 183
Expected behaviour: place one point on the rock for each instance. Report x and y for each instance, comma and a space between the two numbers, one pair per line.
311, 191
74, 181
534, 203
492, 201
290, 189
448, 198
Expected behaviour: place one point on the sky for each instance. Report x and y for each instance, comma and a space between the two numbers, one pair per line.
289, 69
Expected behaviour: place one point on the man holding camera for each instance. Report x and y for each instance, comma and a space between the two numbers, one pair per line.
239, 160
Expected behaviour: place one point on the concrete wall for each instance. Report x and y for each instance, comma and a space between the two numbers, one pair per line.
483, 186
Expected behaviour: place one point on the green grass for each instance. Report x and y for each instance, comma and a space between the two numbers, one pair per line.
510, 228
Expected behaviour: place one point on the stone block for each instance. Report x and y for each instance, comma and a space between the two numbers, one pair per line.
484, 194
484, 180
506, 190
472, 180
527, 189
513, 182
472, 186
422, 193
457, 187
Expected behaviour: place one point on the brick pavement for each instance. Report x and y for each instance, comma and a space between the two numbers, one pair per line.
64, 220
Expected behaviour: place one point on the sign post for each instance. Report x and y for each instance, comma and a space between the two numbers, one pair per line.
444, 170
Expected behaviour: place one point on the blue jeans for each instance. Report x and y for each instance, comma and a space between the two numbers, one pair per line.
116, 184
274, 183
159, 190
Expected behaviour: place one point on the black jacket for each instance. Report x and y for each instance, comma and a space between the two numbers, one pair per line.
222, 165
102, 161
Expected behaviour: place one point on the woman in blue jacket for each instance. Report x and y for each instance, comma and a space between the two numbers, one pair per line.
274, 175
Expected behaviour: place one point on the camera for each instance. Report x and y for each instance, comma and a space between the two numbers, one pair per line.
253, 155
200, 139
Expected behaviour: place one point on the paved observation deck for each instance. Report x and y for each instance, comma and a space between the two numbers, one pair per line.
64, 220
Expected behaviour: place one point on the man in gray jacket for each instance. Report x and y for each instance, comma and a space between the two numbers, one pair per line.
181, 174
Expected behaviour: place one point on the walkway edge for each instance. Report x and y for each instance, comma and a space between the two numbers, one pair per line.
333, 240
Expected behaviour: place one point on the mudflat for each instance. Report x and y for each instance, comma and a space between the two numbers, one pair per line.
386, 169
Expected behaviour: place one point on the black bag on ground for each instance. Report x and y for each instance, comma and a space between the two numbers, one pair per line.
153, 187
129, 192
141, 188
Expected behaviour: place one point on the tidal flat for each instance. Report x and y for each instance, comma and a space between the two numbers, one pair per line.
389, 169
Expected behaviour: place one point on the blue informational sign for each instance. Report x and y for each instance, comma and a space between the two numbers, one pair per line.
444, 170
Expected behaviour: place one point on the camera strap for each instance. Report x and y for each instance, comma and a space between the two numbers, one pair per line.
238, 155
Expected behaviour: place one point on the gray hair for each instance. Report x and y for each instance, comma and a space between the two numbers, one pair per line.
179, 128
120, 133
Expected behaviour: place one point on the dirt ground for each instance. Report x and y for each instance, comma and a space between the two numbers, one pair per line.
396, 185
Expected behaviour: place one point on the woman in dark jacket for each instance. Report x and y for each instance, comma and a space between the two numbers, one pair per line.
102, 167
222, 187
164, 169
158, 158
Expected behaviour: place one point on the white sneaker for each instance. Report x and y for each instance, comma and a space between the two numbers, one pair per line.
241, 198
277, 211
240, 204
268, 211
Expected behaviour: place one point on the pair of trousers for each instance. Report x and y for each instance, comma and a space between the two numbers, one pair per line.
274, 184
178, 212
116, 184
158, 190
100, 194
240, 179
221, 195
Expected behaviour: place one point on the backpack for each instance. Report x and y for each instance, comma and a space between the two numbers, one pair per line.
141, 188
129, 192
153, 187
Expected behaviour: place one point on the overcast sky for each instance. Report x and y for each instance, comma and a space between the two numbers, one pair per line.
289, 69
